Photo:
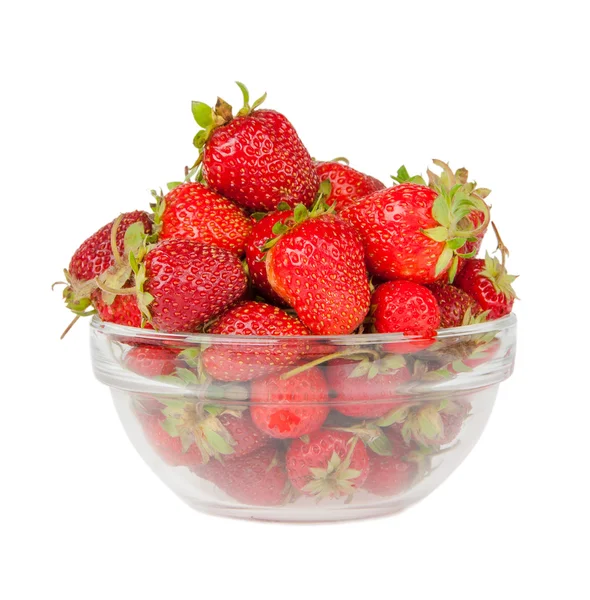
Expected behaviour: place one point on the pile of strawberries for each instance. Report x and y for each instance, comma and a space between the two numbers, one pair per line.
261, 239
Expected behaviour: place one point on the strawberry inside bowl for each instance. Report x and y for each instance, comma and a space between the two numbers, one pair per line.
303, 427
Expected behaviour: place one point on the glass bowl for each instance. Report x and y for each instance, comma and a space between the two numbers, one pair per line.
304, 428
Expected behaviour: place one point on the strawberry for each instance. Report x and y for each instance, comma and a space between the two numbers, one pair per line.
347, 184
414, 232
330, 464
151, 361
261, 233
256, 158
408, 308
292, 407
238, 362
207, 430
488, 282
123, 310
192, 211
454, 304
258, 479
391, 475
182, 284
317, 267
366, 389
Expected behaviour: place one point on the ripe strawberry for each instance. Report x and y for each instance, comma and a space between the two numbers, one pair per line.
318, 268
255, 158
207, 430
238, 362
366, 389
182, 284
347, 184
290, 408
414, 232
258, 479
454, 304
261, 233
408, 308
151, 361
123, 310
488, 282
194, 212
330, 464
391, 475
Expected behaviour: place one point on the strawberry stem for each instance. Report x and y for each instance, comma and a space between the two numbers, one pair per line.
318, 361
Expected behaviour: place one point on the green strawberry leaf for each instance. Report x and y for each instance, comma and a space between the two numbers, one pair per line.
441, 211
443, 261
381, 445
438, 234
217, 442
173, 184
202, 113
397, 415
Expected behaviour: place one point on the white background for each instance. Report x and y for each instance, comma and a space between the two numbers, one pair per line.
95, 111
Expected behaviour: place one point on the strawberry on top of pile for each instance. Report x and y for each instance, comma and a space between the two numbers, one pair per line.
257, 219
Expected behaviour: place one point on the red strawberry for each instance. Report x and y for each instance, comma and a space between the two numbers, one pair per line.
192, 211
239, 362
347, 184
366, 389
330, 464
292, 407
169, 448
488, 282
318, 268
413, 232
261, 233
454, 304
183, 284
123, 310
256, 158
151, 361
391, 475
209, 430
408, 308
258, 479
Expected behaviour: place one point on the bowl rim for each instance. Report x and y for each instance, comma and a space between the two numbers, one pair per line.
146, 335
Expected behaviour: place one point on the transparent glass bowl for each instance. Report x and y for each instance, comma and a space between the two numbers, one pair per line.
304, 428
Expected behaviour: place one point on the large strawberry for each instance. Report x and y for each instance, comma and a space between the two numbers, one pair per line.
182, 284
255, 158
367, 388
258, 479
454, 304
415, 232
202, 431
241, 362
317, 266
347, 184
408, 308
489, 283
261, 233
290, 407
330, 464
192, 211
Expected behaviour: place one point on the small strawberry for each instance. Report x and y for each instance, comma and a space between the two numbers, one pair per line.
408, 308
292, 407
391, 475
207, 430
488, 282
317, 266
255, 158
453, 304
330, 464
238, 362
122, 310
151, 361
414, 232
261, 233
182, 284
258, 479
194, 212
366, 389
347, 184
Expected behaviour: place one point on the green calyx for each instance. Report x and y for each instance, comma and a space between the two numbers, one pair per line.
199, 425
371, 435
496, 273
404, 177
337, 478
388, 365
210, 118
